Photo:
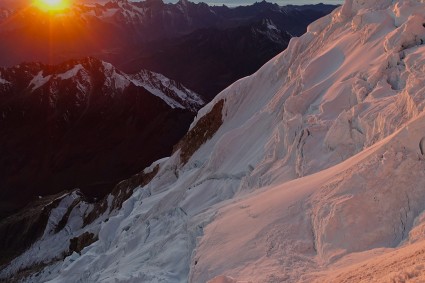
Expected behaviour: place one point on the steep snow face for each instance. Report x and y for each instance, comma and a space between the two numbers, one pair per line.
114, 82
317, 166
326, 97
172, 92
52, 241
295, 230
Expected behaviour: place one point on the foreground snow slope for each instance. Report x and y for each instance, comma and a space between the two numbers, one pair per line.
288, 231
316, 165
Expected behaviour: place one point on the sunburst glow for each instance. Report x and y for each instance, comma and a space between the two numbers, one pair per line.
52, 5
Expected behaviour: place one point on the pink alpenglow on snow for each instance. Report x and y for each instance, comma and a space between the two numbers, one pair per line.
316, 174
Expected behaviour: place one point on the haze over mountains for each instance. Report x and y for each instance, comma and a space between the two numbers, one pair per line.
310, 170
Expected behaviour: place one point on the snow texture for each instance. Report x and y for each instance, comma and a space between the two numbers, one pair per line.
3, 81
39, 81
315, 175
171, 92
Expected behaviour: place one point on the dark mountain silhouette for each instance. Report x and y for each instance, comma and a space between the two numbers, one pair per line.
84, 124
154, 35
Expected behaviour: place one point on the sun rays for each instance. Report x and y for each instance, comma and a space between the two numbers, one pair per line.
52, 5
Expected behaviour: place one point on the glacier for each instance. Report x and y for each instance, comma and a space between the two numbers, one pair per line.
314, 174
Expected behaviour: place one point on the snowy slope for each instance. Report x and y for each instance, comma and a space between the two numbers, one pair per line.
173, 93
116, 81
170, 91
310, 169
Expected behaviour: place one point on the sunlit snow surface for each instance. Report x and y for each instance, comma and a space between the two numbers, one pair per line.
316, 174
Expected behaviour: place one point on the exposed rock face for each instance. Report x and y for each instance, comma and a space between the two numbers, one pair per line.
121, 192
59, 215
78, 243
314, 172
20, 231
202, 131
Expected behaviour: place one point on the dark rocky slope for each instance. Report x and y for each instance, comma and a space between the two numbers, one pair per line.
83, 124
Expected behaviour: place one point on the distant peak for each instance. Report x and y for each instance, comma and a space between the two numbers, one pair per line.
183, 2
116, 3
154, 1
264, 3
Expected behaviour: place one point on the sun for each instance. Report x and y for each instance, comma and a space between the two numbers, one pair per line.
52, 5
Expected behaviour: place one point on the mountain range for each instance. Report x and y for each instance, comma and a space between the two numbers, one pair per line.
79, 138
309, 170
84, 124
140, 35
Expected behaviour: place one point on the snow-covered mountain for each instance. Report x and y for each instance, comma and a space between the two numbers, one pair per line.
139, 35
310, 170
154, 19
84, 124
222, 55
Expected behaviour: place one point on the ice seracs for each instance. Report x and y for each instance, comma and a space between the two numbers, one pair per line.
316, 170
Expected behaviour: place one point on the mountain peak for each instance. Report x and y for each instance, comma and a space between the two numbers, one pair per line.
352, 7
265, 4
117, 3
183, 2
152, 3
325, 140
330, 136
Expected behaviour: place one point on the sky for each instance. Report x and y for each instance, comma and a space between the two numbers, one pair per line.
231, 3
249, 2
280, 2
